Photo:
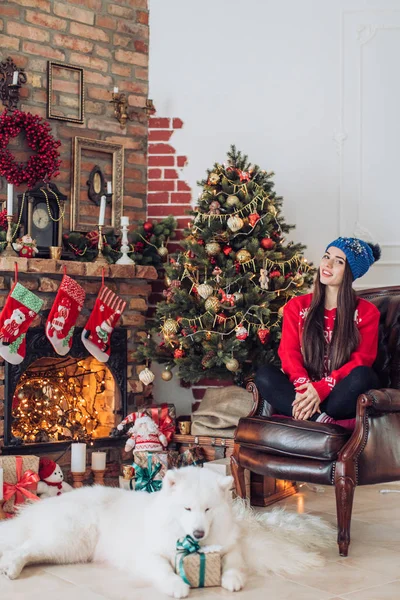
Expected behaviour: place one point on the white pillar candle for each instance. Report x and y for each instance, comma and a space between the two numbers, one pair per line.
124, 221
109, 187
15, 78
102, 213
1, 484
10, 199
115, 90
78, 458
98, 461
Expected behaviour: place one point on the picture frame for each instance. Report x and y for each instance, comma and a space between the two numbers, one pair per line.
65, 92
84, 213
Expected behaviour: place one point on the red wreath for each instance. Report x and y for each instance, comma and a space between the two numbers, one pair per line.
40, 166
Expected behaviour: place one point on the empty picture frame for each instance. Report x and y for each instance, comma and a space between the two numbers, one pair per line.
88, 153
65, 92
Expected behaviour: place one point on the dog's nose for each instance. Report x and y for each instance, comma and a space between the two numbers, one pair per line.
198, 534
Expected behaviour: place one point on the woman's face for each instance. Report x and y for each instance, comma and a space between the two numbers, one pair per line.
332, 266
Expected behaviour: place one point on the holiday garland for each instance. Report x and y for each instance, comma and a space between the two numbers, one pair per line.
42, 165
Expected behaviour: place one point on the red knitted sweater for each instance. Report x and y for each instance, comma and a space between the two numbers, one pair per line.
367, 319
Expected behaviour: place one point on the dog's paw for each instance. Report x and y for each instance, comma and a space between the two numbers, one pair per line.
10, 567
176, 587
233, 580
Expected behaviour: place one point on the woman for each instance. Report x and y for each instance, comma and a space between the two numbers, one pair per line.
329, 342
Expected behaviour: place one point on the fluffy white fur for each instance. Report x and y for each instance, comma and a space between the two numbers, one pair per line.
137, 532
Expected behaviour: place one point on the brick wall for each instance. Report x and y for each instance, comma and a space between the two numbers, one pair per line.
110, 41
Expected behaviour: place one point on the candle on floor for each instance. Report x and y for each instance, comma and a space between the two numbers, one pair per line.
15, 78
78, 458
10, 199
1, 484
98, 461
124, 221
102, 213
109, 187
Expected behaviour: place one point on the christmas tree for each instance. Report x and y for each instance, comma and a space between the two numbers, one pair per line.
226, 290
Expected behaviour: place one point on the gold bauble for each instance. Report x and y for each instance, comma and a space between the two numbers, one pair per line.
232, 200
243, 256
213, 248
166, 375
205, 290
167, 281
213, 179
280, 311
232, 365
238, 297
170, 326
298, 279
235, 223
271, 209
162, 251
212, 304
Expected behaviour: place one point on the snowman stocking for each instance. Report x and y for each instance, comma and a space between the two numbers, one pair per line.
20, 309
63, 315
97, 332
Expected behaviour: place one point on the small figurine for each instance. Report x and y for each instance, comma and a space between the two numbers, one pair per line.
26, 246
51, 479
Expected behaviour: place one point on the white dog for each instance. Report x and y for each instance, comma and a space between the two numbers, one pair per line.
137, 531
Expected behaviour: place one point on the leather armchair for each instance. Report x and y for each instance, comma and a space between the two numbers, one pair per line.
328, 454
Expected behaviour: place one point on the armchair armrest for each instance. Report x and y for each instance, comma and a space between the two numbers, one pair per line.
252, 388
385, 400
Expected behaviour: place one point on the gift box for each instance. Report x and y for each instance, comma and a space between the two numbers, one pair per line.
192, 456
165, 417
198, 566
222, 466
126, 484
151, 467
20, 479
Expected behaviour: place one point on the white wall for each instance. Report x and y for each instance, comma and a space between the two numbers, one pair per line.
307, 88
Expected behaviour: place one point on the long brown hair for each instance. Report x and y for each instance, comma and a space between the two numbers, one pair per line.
345, 338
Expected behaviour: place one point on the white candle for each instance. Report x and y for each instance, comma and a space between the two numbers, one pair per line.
102, 210
115, 90
109, 187
10, 198
98, 461
15, 78
1, 484
124, 221
78, 458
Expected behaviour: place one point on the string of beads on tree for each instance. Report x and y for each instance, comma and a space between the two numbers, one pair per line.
225, 291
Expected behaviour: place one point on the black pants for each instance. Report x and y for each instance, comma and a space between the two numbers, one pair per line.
275, 387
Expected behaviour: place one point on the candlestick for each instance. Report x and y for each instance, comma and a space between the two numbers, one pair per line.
109, 187
98, 476
102, 212
98, 461
100, 258
15, 78
78, 458
10, 199
125, 248
9, 250
77, 479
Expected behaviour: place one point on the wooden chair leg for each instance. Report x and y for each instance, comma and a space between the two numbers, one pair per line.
344, 488
238, 473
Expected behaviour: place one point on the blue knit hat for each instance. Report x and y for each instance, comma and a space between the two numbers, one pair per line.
360, 255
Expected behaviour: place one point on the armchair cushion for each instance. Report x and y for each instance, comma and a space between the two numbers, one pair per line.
289, 437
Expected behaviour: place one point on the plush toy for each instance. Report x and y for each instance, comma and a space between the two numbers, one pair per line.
145, 435
26, 246
51, 479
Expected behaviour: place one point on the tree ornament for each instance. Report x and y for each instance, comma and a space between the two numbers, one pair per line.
263, 335
280, 311
170, 327
162, 250
272, 210
298, 279
232, 201
274, 273
179, 353
214, 208
213, 179
166, 375
146, 376
205, 290
212, 304
263, 280
267, 243
253, 218
227, 250
235, 223
238, 297
244, 175
217, 272
213, 248
148, 227
221, 318
207, 358
167, 280
232, 365
243, 256
241, 332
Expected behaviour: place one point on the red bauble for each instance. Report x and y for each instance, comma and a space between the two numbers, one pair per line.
227, 250
253, 218
267, 243
273, 274
179, 353
148, 226
241, 332
263, 335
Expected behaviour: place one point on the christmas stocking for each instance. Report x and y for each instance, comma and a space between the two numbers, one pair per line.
96, 336
63, 315
18, 313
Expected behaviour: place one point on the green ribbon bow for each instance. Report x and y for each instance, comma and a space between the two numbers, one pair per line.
186, 546
145, 477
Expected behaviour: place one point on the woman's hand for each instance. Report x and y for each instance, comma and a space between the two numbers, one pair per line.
306, 402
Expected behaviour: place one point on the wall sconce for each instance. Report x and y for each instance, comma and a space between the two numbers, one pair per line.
11, 79
121, 111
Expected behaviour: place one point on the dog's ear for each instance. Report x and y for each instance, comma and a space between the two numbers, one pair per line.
170, 479
226, 483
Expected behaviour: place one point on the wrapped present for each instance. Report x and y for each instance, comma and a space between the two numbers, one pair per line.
165, 417
168, 460
192, 456
147, 478
20, 479
198, 566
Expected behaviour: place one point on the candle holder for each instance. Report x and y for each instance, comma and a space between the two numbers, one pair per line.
77, 479
98, 475
125, 248
9, 250
100, 258
9, 91
3, 515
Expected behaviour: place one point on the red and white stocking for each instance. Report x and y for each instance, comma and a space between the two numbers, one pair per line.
97, 332
20, 309
63, 315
